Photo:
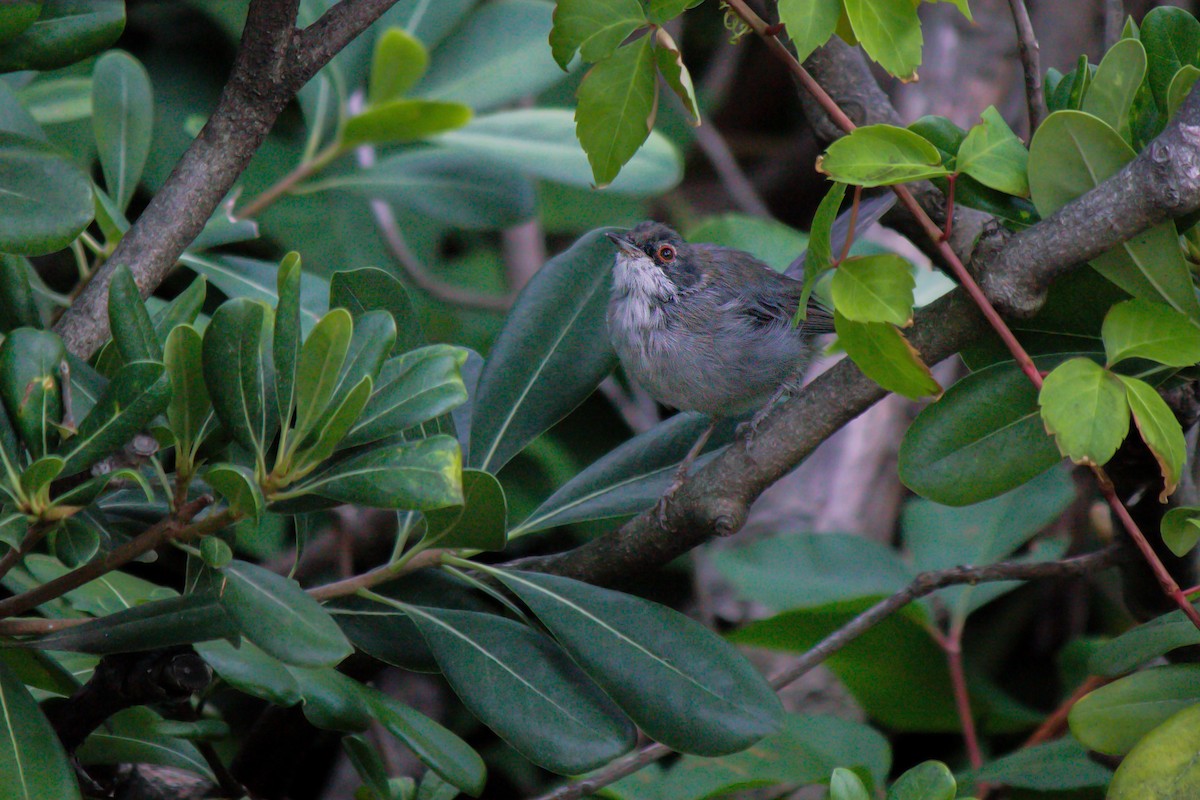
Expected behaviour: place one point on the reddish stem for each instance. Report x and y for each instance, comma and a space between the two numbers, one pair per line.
853, 222
953, 181
1053, 726
952, 645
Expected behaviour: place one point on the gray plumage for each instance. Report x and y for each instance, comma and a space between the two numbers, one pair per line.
706, 328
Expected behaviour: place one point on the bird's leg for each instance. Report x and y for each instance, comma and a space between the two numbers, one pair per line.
660, 508
788, 387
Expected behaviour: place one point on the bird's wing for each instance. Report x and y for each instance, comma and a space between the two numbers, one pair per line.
869, 212
777, 302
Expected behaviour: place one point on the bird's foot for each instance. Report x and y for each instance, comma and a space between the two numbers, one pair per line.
660, 508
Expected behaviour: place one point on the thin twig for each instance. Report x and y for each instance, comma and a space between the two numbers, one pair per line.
733, 178
13, 557
924, 584
381, 574
1030, 52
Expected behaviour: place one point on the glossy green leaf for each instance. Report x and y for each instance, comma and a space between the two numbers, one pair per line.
257, 280
1160, 430
1048, 767
931, 780
285, 340
132, 330
875, 288
809, 23
156, 624
845, 785
371, 289
16, 16
890, 32
74, 542
1114, 718
16, 295
541, 142
374, 335
249, 669
37, 476
679, 682
184, 309
1180, 528
398, 63
29, 370
453, 187
672, 69
321, 361
497, 57
1084, 408
332, 701
189, 407
617, 102
1070, 154
881, 155
45, 200
368, 763
1143, 643
479, 523
886, 357
1163, 764
993, 155
551, 354
1181, 86
1142, 329
334, 426
1115, 85
1172, 39
445, 753
526, 689
239, 488
404, 121
413, 388
419, 476
134, 735
275, 613
594, 28
137, 394
238, 372
122, 119
32, 759
819, 256
65, 32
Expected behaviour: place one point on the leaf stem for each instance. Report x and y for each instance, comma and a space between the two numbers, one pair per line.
285, 184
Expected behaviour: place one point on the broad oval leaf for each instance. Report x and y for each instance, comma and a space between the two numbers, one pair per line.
417, 476
875, 288
1172, 40
65, 32
136, 735
683, 685
371, 289
32, 759
413, 388
551, 354
321, 361
74, 542
45, 200
1180, 529
1049, 767
1163, 764
524, 687
257, 280
881, 155
1115, 84
594, 28
809, 23
29, 370
277, 615
16, 16
617, 101
890, 32
16, 295
239, 372
137, 394
1143, 643
404, 121
239, 488
189, 406
1143, 329
886, 357
931, 780
1084, 408
1113, 718
132, 331
122, 118
332, 701
993, 155
479, 523
398, 63
982, 438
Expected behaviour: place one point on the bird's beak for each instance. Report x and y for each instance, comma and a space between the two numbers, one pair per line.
627, 247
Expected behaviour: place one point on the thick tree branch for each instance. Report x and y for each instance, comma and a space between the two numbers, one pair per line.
273, 61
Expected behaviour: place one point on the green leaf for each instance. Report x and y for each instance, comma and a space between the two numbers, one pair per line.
617, 101
371, 289
238, 372
1160, 431
890, 32
497, 57
1181, 86
479, 523
138, 393
189, 407
275, 613
285, 344
930, 780
32, 759
993, 155
845, 785
526, 689
403, 121
1115, 84
368, 763
16, 295
541, 142
886, 357
662, 11
1163, 765
551, 354
1047, 767
45, 200
133, 735
334, 426
819, 257
398, 63
123, 119
1113, 718
151, 625
74, 542
214, 552
320, 365
29, 370
1172, 39
445, 753
1143, 329
258, 280
132, 330
595, 28
332, 701
1180, 529
37, 476
65, 32
675, 73
679, 682
250, 670
874, 289
809, 23
418, 476
239, 488
17, 16
1072, 153
1143, 643
881, 155
1084, 408
413, 388
183, 309
454, 187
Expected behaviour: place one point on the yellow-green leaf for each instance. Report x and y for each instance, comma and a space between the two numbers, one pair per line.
1084, 408
616, 108
890, 32
875, 288
886, 357
398, 63
404, 121
881, 155
1160, 431
993, 155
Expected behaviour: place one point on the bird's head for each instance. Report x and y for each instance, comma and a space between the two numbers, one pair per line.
655, 261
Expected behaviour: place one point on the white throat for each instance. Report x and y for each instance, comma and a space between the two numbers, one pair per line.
640, 278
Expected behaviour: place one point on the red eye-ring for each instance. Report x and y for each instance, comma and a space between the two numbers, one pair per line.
666, 253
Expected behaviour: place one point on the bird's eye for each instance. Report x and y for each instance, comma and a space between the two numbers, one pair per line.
666, 253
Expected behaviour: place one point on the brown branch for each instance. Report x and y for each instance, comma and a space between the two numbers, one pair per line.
374, 577
1030, 51
923, 584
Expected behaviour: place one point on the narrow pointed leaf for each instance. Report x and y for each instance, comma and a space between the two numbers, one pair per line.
286, 339
65, 32
332, 701
258, 280
404, 121
413, 388
122, 118
29, 370
617, 101
881, 155
132, 329
183, 309
325, 439
32, 760
137, 394
149, 626
239, 373
321, 361
189, 405
16, 295
135, 735
675, 73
